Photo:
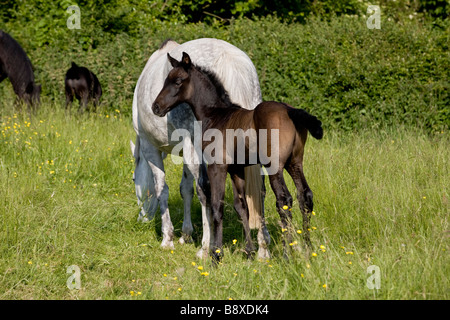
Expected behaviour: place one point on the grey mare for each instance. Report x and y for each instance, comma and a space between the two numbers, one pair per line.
154, 139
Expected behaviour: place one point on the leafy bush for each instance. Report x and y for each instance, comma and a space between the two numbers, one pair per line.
350, 76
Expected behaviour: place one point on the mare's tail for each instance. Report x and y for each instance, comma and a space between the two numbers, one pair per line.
303, 119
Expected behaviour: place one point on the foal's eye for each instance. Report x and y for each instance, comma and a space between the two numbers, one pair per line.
178, 81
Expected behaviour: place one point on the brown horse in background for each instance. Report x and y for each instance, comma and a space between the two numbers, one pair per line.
211, 105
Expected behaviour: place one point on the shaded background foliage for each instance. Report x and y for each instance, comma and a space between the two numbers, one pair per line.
318, 55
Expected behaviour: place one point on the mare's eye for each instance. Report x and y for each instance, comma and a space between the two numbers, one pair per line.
178, 81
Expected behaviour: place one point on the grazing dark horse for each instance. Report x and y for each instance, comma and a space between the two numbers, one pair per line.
211, 105
15, 65
82, 84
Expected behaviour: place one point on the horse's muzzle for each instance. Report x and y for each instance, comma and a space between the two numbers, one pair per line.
157, 110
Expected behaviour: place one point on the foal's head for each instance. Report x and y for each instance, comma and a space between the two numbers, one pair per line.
177, 86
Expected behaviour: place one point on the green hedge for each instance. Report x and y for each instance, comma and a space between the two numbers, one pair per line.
350, 76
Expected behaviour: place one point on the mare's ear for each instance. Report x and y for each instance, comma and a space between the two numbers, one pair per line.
186, 61
172, 61
74, 65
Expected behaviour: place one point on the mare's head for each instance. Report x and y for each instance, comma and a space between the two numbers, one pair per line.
177, 86
32, 94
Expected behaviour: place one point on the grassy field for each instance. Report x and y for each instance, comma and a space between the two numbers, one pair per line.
67, 198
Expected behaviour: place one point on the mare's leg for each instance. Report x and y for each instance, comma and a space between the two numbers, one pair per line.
187, 192
204, 196
240, 204
304, 196
194, 166
155, 161
217, 175
284, 205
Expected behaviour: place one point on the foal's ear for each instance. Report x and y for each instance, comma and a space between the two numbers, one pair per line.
186, 61
172, 61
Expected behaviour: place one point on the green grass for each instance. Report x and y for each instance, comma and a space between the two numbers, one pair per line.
67, 198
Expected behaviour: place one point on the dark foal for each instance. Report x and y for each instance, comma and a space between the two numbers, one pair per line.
211, 105
82, 84
15, 65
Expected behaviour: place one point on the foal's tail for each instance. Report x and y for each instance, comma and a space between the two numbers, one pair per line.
303, 119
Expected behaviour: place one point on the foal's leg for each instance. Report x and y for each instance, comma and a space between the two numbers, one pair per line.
187, 192
284, 205
217, 175
304, 196
155, 161
240, 205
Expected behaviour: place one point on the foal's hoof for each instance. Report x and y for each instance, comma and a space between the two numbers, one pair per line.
216, 256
